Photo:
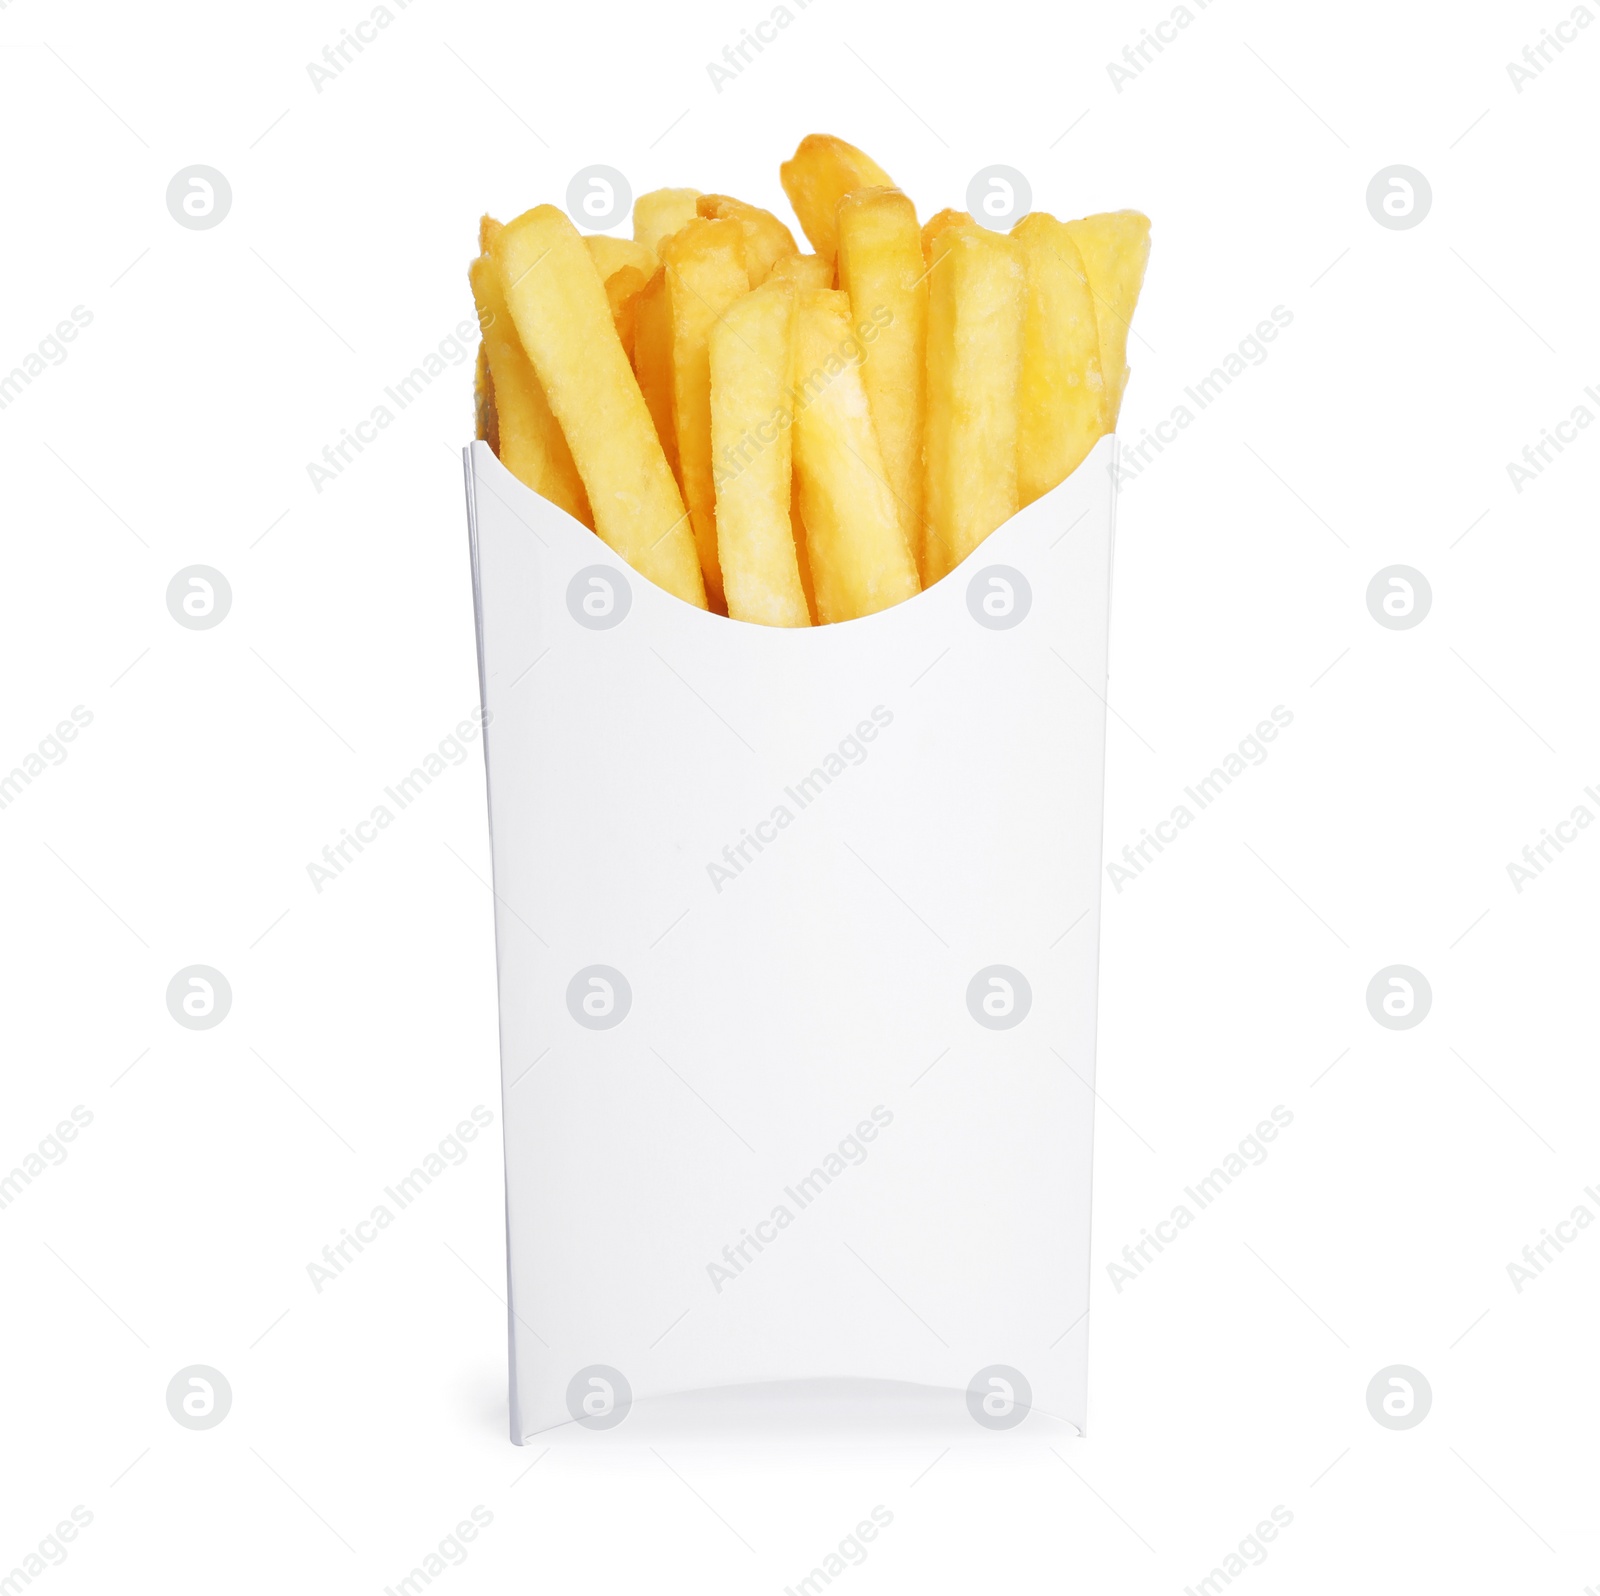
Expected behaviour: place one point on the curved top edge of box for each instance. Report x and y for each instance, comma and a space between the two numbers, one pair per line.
479, 457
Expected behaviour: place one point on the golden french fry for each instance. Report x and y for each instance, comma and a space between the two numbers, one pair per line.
975, 315
612, 254
802, 553
804, 271
858, 556
935, 225
1062, 396
703, 271
1115, 247
660, 213
559, 306
822, 171
652, 363
750, 351
623, 288
531, 444
882, 270
483, 400
483, 385
766, 239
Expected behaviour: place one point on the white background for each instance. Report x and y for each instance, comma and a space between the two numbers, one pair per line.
1229, 1377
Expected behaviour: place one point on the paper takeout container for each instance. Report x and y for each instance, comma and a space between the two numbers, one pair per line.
797, 939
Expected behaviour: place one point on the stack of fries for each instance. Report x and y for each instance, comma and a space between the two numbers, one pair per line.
789, 438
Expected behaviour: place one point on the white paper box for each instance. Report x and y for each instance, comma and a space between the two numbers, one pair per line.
805, 946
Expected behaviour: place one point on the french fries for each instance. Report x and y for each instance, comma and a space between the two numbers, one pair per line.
859, 558
1063, 397
623, 288
880, 267
822, 171
804, 271
652, 362
486, 424
796, 439
532, 443
703, 273
658, 215
975, 307
802, 554
559, 307
750, 359
766, 239
610, 255
1115, 247
935, 225
625, 267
